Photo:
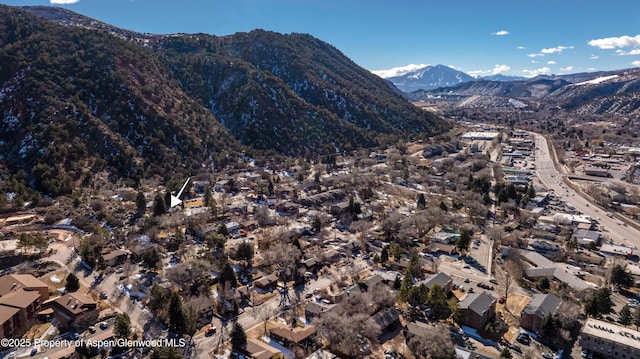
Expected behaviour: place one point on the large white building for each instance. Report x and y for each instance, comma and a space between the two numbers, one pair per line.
610, 340
480, 135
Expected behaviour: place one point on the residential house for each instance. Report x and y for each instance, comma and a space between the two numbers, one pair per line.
538, 307
115, 257
340, 208
421, 329
293, 337
444, 281
74, 310
477, 309
13, 282
322, 354
266, 283
288, 208
387, 319
261, 350
316, 310
21, 297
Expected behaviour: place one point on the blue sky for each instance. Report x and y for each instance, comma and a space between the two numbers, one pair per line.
480, 37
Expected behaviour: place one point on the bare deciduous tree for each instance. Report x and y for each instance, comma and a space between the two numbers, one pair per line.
436, 343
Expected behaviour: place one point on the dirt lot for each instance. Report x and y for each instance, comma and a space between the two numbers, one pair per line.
511, 314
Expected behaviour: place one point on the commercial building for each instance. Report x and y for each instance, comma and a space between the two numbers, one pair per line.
609, 340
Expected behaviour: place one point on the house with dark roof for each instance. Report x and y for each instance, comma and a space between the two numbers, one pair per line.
266, 283
538, 307
74, 310
293, 337
444, 281
387, 319
316, 310
477, 309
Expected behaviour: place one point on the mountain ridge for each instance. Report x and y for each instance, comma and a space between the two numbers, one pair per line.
81, 97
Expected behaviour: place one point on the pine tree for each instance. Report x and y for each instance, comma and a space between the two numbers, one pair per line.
141, 203
421, 202
625, 315
384, 255
238, 336
159, 206
122, 325
72, 283
176, 314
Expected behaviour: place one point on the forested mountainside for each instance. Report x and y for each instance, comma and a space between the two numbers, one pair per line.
78, 98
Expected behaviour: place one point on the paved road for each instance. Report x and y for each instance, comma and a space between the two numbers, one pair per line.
615, 227
249, 319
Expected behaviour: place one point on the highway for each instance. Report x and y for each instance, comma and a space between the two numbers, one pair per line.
614, 227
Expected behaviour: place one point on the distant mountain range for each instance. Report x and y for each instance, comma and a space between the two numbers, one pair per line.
611, 92
428, 78
80, 97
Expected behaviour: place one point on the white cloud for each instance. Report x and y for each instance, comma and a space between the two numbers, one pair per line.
63, 2
535, 62
636, 63
496, 70
535, 55
551, 62
568, 68
535, 72
500, 68
555, 50
500, 33
520, 47
398, 71
594, 57
632, 52
613, 42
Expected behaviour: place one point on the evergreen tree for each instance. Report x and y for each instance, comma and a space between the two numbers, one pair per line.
159, 206
208, 197
245, 253
384, 255
549, 326
636, 317
620, 277
625, 315
166, 352
437, 300
157, 299
405, 286
421, 203
72, 283
122, 325
443, 207
177, 322
397, 283
599, 303
141, 203
462, 244
238, 336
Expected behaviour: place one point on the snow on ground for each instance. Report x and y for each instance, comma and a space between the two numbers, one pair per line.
54, 279
597, 80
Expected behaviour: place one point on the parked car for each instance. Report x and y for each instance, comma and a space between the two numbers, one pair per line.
104, 325
502, 299
210, 331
